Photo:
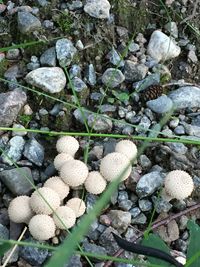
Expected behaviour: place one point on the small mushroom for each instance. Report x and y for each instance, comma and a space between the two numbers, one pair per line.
60, 159
68, 145
74, 172
58, 186
178, 184
95, 183
77, 205
19, 210
113, 165
42, 227
64, 217
38, 204
128, 148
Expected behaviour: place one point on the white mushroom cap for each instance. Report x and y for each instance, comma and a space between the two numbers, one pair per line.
38, 204
178, 184
19, 210
181, 260
113, 165
60, 159
95, 183
66, 215
77, 205
58, 186
68, 145
42, 227
74, 172
128, 148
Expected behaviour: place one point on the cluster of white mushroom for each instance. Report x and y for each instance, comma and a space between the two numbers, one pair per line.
44, 211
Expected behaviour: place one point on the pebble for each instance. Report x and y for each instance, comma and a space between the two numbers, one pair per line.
79, 116
65, 51
152, 79
90, 201
145, 204
20, 127
106, 108
13, 54
192, 130
33, 255
95, 249
49, 79
145, 161
140, 219
27, 23
78, 85
13, 151
172, 29
178, 148
100, 123
75, 5
161, 205
90, 75
115, 58
99, 9
144, 125
79, 45
162, 47
134, 72
120, 220
174, 123
34, 152
112, 77
179, 130
48, 58
135, 212
192, 57
106, 239
149, 183
16, 181
10, 105
186, 97
75, 71
160, 105
75, 261
125, 204
4, 233
133, 47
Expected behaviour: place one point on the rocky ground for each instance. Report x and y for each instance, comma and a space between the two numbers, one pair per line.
112, 52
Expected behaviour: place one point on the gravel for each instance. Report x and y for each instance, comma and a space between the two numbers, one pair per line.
97, 8
65, 51
112, 77
160, 105
27, 22
34, 151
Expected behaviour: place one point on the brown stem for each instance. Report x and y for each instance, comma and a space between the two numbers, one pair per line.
155, 225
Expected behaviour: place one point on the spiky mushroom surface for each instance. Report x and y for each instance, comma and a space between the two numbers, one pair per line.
60, 159
56, 184
95, 183
68, 145
128, 148
64, 217
77, 205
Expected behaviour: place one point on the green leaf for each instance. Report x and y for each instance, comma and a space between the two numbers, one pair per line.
193, 252
4, 248
154, 241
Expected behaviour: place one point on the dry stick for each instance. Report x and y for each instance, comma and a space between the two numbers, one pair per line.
155, 225
14, 248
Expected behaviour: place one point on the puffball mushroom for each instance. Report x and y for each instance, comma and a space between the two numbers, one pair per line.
60, 159
77, 205
66, 215
42, 227
95, 183
74, 172
19, 210
68, 145
178, 184
40, 206
128, 148
58, 186
113, 165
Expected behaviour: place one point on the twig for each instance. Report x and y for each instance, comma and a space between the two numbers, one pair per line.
155, 225
14, 248
194, 12
181, 84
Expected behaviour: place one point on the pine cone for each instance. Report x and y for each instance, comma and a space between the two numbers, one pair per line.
152, 92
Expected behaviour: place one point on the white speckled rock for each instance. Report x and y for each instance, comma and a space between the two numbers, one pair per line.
65, 51
112, 77
51, 80
162, 47
97, 8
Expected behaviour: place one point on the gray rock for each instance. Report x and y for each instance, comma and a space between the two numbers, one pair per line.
145, 205
49, 79
112, 77
186, 97
160, 105
178, 148
14, 150
172, 28
48, 58
145, 161
78, 84
4, 233
65, 51
161, 205
33, 255
107, 240
151, 79
75, 5
125, 204
90, 75
90, 201
140, 219
115, 58
192, 56
120, 220
179, 130
161, 47
81, 117
79, 45
106, 108
149, 183
122, 195
144, 125
97, 8
75, 261
34, 152
10, 105
17, 180
75, 71
13, 54
192, 130
100, 123
135, 212
133, 47
27, 22
134, 72
174, 123
95, 249
20, 127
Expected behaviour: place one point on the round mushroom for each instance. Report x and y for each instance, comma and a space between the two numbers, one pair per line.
128, 148
77, 205
74, 172
58, 186
64, 217
39, 205
42, 227
68, 145
178, 184
19, 210
113, 165
95, 183
60, 159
